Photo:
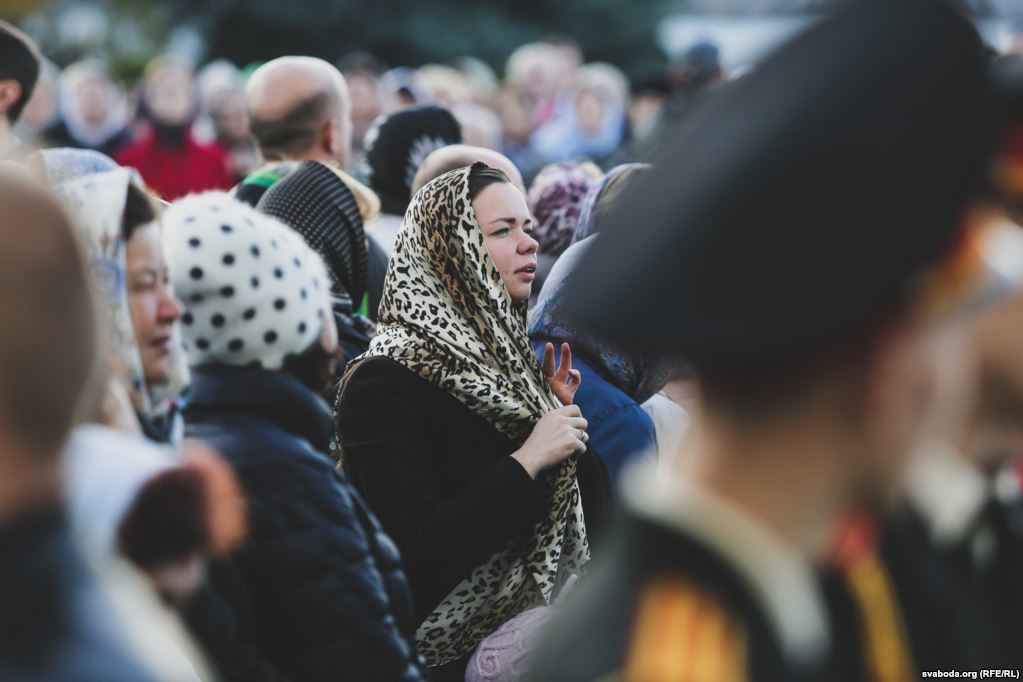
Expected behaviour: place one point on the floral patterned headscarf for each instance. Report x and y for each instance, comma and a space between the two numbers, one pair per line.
556, 200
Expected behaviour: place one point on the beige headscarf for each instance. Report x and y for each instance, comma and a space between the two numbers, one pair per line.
447, 316
96, 202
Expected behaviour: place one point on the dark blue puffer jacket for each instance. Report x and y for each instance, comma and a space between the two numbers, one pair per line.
317, 590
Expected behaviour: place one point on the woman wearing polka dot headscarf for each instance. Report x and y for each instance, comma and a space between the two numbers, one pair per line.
317, 590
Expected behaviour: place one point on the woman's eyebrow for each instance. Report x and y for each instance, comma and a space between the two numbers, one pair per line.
503, 220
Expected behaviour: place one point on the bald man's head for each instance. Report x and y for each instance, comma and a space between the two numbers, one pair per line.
454, 156
48, 344
299, 109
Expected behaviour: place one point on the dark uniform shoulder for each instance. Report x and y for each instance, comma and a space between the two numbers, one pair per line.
661, 605
683, 633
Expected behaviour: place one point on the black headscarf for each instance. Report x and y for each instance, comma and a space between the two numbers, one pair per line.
396, 145
317, 204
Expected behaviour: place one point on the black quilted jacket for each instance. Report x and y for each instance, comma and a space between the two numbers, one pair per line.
317, 591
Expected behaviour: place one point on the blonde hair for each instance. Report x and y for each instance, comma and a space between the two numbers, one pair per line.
365, 198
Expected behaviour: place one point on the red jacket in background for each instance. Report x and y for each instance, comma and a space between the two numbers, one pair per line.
176, 171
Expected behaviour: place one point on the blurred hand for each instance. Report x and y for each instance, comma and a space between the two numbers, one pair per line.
559, 434
564, 380
175, 582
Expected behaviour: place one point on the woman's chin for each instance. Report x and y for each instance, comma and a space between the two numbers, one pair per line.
520, 292
157, 375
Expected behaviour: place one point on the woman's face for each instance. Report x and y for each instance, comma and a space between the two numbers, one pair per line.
92, 99
362, 90
589, 112
170, 97
154, 309
232, 118
515, 118
507, 232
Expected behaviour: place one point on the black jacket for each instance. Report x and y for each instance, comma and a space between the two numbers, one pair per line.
54, 623
440, 478
376, 272
317, 590
655, 599
932, 582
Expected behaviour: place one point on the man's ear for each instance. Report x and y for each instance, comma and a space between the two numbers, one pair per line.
10, 94
328, 137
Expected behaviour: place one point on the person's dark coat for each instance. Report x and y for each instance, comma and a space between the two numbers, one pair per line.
317, 589
441, 477
376, 264
650, 606
931, 581
54, 624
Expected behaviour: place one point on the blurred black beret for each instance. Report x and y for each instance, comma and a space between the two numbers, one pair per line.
797, 203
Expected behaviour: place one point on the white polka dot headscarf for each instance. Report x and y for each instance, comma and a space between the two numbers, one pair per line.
253, 290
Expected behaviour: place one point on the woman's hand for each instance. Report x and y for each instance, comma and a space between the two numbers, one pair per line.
564, 380
559, 434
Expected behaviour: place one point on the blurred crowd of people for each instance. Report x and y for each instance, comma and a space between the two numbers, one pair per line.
320, 371
550, 106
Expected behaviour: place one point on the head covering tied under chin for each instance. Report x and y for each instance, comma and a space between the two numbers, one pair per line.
638, 374
447, 316
62, 164
586, 225
97, 202
556, 198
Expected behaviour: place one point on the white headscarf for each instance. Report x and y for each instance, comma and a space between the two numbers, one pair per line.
96, 203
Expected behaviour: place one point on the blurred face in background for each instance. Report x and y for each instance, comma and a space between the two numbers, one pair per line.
231, 117
569, 59
92, 97
589, 112
170, 96
362, 87
154, 309
515, 117
644, 112
504, 219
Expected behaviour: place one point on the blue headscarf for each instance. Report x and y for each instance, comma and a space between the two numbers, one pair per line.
636, 374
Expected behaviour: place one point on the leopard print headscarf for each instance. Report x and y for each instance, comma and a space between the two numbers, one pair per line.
447, 316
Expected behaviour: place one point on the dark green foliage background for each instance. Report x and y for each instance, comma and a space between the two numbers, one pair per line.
413, 32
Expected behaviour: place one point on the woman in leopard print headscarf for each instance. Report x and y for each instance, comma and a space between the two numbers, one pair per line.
457, 437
